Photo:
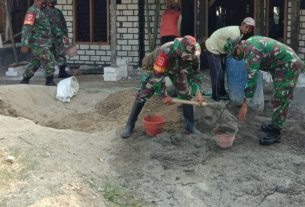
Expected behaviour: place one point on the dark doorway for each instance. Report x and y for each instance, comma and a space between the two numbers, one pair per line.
187, 12
225, 13
276, 19
18, 12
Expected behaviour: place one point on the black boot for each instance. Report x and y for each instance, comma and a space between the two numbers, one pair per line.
188, 115
49, 81
62, 72
266, 126
135, 111
25, 80
270, 134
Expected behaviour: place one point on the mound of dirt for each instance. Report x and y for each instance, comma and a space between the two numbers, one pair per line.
88, 113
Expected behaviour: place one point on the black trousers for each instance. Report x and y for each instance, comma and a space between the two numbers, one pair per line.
217, 70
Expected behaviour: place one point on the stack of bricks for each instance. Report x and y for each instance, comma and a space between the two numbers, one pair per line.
117, 73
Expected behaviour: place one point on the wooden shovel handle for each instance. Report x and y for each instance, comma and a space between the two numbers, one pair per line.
195, 103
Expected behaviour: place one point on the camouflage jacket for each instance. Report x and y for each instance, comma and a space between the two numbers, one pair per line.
264, 53
167, 60
36, 30
58, 22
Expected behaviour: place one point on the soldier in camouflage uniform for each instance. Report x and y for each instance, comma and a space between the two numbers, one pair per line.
36, 35
179, 60
263, 53
57, 18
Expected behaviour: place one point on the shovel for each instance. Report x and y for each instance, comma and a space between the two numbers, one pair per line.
215, 105
195, 103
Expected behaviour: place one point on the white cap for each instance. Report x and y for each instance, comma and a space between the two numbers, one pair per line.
249, 21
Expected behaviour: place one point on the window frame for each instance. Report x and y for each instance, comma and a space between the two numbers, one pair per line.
91, 16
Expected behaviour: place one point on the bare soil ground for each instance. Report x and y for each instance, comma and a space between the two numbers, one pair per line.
71, 154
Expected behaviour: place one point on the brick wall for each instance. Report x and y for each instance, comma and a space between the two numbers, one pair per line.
127, 34
302, 35
302, 30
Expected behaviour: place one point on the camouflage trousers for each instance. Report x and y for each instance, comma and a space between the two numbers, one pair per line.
284, 81
58, 51
41, 56
185, 86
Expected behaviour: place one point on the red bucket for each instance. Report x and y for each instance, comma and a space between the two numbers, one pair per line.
225, 136
153, 124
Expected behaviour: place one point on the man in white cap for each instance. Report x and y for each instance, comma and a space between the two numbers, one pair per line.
218, 45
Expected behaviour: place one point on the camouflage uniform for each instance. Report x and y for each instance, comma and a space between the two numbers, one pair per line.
172, 60
263, 53
180, 61
36, 35
60, 30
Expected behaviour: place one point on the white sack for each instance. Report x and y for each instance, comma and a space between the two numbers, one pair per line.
66, 89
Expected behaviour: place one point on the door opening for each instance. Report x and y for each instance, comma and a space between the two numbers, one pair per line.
276, 19
225, 13
188, 17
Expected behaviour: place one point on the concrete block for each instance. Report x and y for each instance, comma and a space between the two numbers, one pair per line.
11, 73
114, 77
112, 73
11, 70
16, 69
110, 70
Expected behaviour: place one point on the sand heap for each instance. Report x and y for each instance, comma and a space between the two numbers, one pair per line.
90, 114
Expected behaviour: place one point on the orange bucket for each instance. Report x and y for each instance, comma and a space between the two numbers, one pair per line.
153, 124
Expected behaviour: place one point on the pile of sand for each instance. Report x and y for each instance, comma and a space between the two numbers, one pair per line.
88, 113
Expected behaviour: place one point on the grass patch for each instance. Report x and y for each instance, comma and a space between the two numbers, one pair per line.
2, 204
9, 171
118, 196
